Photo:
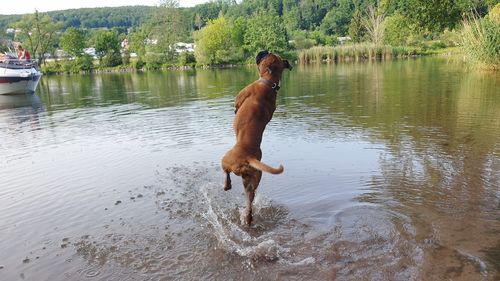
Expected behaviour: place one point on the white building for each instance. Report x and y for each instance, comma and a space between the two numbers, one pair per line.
344, 39
181, 47
90, 52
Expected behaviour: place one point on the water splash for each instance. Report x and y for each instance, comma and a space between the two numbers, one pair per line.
234, 239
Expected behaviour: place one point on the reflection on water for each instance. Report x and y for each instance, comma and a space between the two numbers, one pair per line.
26, 101
392, 173
22, 109
153, 89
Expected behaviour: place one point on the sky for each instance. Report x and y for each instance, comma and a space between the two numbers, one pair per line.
29, 6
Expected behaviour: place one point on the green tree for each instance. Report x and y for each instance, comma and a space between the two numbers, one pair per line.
436, 15
38, 33
138, 40
209, 11
166, 28
292, 19
73, 41
215, 44
356, 27
266, 31
310, 14
107, 47
4, 39
397, 30
198, 22
336, 21
238, 31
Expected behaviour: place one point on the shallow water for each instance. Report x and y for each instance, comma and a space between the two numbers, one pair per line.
392, 172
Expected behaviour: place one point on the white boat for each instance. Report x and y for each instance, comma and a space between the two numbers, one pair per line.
18, 77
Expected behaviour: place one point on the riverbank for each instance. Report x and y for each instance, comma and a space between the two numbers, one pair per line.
368, 52
318, 54
69, 67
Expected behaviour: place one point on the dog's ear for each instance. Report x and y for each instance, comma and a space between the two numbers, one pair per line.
287, 64
260, 56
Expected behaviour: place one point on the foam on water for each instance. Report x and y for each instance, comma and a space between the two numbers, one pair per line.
236, 240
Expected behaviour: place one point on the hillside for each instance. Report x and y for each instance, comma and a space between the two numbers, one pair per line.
126, 16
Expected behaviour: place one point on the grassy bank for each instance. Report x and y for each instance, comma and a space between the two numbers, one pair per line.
355, 52
88, 65
73, 67
481, 40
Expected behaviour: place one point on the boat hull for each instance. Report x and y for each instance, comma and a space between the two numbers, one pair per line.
18, 79
18, 85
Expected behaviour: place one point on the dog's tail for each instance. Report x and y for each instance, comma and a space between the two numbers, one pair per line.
264, 167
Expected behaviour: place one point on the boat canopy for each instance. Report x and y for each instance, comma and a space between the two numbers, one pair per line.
17, 64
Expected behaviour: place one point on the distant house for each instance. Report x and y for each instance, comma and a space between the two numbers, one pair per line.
148, 41
61, 54
124, 44
10, 30
344, 39
90, 52
181, 47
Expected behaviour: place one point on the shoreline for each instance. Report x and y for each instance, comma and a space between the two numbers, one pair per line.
228, 66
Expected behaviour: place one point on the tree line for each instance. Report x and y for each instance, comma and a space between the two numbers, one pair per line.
229, 32
87, 18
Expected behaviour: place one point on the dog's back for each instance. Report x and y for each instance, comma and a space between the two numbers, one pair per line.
255, 106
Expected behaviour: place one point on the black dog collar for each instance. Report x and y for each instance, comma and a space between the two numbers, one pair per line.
274, 86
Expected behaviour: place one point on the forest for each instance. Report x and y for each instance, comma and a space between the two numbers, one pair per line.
89, 18
230, 32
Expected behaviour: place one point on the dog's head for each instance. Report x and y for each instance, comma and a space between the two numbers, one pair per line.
271, 63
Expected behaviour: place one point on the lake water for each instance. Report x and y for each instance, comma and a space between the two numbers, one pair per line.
392, 172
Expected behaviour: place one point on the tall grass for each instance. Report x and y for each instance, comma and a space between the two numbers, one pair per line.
354, 52
481, 41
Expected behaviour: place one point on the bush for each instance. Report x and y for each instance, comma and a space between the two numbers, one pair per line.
83, 63
138, 64
288, 55
126, 57
51, 68
437, 45
494, 14
481, 40
186, 58
450, 38
154, 61
111, 59
301, 42
77, 65
321, 38
67, 66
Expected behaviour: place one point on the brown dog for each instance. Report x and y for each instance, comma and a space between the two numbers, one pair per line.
254, 108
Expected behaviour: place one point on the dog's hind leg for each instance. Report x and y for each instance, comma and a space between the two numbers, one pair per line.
227, 182
250, 182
